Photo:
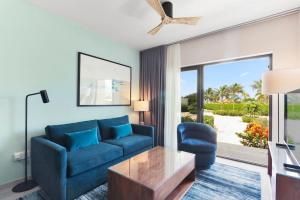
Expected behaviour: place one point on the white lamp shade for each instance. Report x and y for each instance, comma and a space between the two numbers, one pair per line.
280, 81
141, 106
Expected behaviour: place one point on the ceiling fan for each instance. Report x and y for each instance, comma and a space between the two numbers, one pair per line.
165, 10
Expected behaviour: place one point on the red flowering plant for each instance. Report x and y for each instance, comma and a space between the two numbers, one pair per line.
255, 135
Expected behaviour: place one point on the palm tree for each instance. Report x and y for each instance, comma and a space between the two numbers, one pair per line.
245, 95
215, 96
223, 93
208, 94
256, 86
236, 90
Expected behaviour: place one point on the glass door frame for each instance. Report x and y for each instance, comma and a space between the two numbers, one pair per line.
200, 85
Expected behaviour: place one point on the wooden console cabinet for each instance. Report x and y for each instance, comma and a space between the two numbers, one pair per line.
285, 183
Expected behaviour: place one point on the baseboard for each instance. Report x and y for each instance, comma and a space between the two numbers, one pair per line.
12, 183
243, 161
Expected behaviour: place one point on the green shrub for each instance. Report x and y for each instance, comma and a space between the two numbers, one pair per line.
251, 107
187, 119
184, 108
228, 112
209, 120
263, 109
192, 108
223, 106
248, 119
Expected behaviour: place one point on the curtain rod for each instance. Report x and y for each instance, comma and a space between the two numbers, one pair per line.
263, 19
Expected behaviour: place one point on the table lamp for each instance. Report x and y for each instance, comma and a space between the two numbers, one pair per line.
141, 107
29, 184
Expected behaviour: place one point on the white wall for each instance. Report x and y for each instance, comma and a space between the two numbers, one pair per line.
280, 36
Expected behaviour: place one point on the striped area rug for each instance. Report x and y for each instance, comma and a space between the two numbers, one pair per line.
224, 182
220, 182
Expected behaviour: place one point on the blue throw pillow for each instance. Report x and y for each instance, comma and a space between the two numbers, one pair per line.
106, 124
121, 131
81, 139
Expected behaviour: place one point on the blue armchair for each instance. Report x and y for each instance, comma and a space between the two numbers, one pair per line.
199, 139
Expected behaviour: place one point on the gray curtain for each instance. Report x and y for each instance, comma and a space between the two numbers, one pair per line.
152, 88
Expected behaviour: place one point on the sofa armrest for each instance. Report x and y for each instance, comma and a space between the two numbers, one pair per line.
143, 130
49, 166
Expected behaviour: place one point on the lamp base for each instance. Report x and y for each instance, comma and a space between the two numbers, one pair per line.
25, 186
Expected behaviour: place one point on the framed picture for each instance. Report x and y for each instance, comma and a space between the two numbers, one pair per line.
102, 82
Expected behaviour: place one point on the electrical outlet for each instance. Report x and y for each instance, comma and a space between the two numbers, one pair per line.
21, 155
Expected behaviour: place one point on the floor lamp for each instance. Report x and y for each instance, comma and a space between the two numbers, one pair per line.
280, 81
29, 184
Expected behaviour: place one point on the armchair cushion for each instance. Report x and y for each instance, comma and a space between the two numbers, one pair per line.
132, 143
106, 124
56, 133
92, 156
197, 146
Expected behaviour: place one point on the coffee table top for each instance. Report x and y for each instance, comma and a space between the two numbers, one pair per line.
153, 167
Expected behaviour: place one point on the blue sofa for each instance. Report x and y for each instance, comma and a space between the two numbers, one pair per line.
199, 139
66, 174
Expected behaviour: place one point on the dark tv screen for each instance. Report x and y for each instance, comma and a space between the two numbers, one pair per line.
292, 124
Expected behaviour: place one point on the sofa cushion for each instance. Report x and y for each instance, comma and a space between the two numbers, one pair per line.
81, 139
197, 146
121, 131
93, 156
56, 133
106, 124
131, 143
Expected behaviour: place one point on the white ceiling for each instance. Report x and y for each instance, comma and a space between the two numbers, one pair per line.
128, 21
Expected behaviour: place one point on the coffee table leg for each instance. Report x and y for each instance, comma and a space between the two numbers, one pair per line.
121, 188
192, 176
183, 187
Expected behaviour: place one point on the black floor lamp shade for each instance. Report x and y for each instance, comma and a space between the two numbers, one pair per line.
44, 96
29, 184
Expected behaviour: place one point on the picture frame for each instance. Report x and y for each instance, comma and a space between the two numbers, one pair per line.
102, 82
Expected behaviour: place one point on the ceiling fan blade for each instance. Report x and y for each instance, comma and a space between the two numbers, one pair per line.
156, 5
185, 20
156, 29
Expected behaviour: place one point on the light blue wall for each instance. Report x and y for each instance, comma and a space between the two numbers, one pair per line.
38, 50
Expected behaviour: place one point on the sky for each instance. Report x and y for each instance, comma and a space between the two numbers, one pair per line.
244, 72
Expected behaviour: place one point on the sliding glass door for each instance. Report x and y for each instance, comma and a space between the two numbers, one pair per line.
228, 97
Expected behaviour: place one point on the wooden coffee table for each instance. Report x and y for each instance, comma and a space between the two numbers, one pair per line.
159, 173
